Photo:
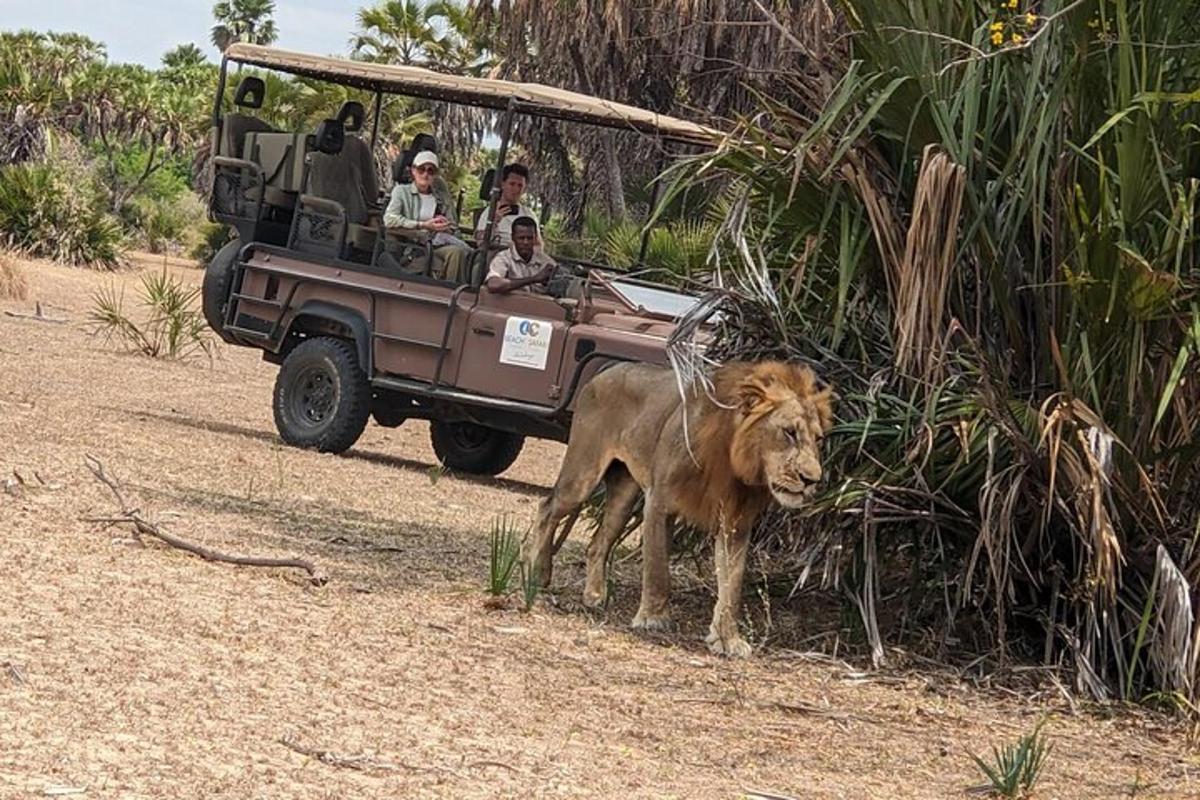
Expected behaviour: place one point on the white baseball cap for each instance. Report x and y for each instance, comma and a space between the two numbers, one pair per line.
425, 157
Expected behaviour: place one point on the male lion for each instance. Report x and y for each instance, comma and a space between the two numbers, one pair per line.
757, 437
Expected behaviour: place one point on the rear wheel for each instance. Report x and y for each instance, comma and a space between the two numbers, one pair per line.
214, 293
322, 396
466, 447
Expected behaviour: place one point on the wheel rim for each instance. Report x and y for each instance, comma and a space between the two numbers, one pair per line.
314, 396
468, 437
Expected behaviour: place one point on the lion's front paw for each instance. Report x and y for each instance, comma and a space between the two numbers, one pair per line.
652, 623
733, 645
594, 599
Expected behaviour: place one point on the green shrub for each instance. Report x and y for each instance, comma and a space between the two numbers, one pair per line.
209, 238
1015, 768
52, 210
676, 250
174, 328
168, 225
505, 553
622, 243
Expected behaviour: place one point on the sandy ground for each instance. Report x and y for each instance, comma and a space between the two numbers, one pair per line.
131, 672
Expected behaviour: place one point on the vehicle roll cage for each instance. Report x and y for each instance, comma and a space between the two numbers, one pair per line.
508, 97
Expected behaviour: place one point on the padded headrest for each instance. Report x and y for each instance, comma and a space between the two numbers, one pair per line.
485, 184
423, 141
352, 115
400, 167
330, 137
250, 92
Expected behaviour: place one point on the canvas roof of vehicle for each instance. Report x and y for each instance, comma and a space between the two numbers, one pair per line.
531, 98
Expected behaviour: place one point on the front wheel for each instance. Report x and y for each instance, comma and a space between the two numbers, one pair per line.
466, 447
322, 396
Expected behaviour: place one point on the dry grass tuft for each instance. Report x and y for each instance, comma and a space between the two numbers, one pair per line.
14, 284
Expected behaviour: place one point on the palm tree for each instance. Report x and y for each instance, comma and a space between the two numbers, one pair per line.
184, 57
243, 21
395, 32
710, 58
444, 36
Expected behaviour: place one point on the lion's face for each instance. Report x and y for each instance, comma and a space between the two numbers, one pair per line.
789, 447
781, 420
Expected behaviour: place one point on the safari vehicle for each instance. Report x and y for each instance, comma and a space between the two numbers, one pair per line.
360, 335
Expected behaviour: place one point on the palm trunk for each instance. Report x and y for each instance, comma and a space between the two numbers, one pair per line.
614, 184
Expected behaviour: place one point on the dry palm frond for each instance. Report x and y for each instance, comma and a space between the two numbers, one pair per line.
1173, 651
929, 256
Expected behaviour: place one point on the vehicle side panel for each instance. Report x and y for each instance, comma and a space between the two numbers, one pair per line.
409, 328
405, 317
589, 348
502, 354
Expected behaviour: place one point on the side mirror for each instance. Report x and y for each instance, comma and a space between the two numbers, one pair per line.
485, 184
330, 137
250, 92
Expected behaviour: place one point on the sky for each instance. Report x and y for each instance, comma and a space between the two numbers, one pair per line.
140, 31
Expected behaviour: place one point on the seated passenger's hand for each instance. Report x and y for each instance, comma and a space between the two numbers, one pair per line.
439, 224
546, 273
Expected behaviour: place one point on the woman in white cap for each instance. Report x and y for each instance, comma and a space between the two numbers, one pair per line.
426, 206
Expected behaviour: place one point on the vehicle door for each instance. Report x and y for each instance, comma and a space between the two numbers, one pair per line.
513, 347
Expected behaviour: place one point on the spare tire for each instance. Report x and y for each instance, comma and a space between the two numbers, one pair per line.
218, 279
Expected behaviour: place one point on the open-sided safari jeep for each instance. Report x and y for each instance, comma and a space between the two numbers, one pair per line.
349, 310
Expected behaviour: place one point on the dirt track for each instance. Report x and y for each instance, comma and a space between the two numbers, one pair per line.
145, 672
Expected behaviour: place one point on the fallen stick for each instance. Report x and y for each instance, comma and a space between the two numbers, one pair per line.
363, 763
131, 516
37, 316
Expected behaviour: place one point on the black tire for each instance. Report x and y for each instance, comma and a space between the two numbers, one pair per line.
388, 417
214, 292
466, 447
322, 396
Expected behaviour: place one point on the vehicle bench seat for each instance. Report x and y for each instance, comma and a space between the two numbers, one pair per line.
281, 156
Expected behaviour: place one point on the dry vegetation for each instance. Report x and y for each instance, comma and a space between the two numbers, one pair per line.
14, 285
141, 671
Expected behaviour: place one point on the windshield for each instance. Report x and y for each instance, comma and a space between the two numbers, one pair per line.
655, 300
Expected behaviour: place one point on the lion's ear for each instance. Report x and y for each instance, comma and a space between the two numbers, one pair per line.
750, 394
823, 402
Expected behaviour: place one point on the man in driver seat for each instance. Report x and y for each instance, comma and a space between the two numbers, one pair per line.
522, 265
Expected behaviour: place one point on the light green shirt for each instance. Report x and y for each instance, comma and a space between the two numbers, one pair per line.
404, 209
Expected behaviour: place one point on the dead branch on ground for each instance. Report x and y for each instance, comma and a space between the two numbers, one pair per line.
366, 763
131, 516
360, 762
37, 315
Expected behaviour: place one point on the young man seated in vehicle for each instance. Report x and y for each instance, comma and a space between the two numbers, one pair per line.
513, 180
425, 207
522, 265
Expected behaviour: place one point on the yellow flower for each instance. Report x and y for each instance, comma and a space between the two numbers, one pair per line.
1011, 4
1031, 18
1017, 38
996, 26
997, 38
